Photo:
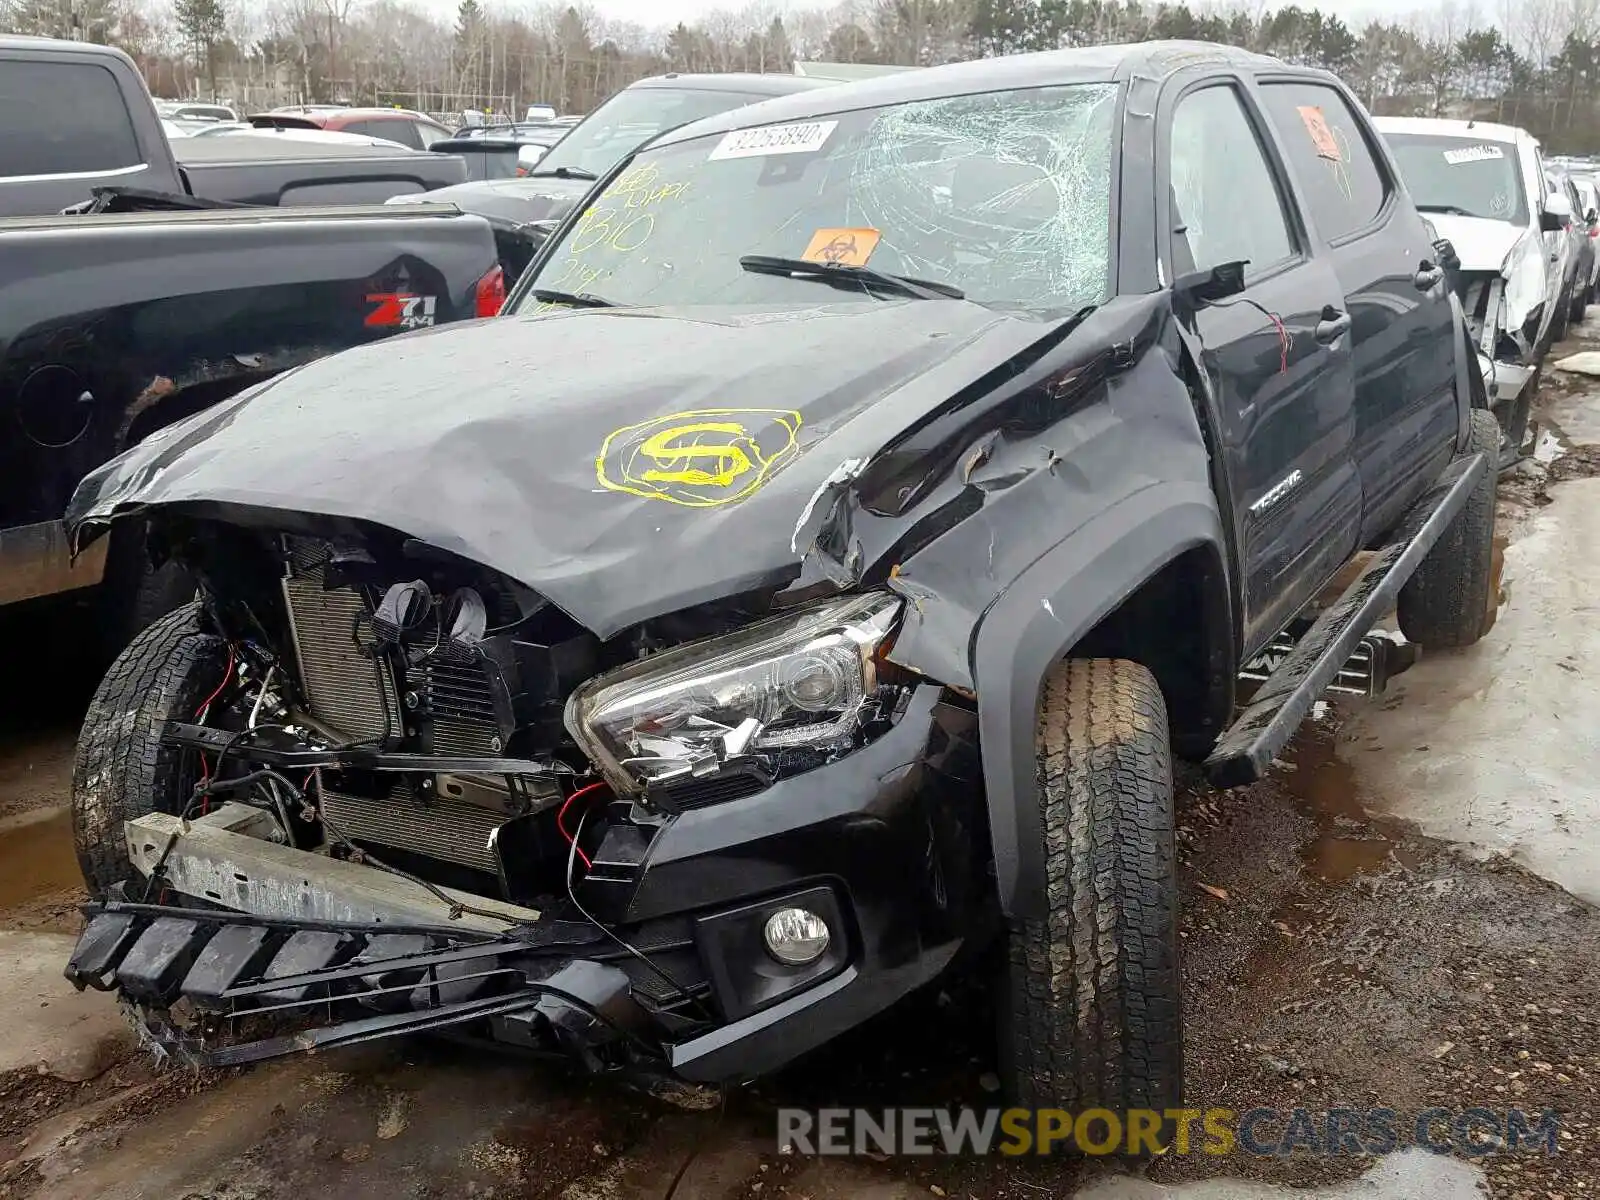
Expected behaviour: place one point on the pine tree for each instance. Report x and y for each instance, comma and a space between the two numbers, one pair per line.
202, 24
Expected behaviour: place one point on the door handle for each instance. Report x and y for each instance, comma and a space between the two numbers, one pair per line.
1428, 276
1333, 326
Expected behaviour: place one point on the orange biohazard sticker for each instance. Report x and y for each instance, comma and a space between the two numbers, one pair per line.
1321, 136
849, 247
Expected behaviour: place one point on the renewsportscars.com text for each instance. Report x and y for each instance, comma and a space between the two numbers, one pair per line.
1211, 1131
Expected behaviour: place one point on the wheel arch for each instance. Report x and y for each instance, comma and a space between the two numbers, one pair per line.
1112, 589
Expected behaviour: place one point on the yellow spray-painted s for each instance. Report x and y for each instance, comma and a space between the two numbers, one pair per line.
699, 459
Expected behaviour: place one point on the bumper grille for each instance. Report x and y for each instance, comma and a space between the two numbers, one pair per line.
341, 684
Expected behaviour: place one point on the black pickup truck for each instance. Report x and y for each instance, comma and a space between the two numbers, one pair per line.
76, 117
114, 326
808, 582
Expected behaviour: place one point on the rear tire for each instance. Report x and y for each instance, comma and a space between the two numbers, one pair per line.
121, 770
1580, 304
1094, 1014
1445, 604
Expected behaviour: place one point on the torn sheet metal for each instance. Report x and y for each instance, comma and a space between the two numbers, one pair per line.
680, 447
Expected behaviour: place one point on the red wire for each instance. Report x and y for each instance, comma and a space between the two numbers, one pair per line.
205, 769
561, 820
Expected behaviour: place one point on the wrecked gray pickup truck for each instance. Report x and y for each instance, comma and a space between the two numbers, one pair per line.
799, 590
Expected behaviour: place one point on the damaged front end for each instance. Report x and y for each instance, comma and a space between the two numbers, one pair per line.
1507, 315
425, 798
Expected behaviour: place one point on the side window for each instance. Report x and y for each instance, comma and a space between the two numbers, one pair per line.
1344, 186
1228, 205
395, 129
60, 118
428, 134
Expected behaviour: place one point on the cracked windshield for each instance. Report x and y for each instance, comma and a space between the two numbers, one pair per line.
1003, 197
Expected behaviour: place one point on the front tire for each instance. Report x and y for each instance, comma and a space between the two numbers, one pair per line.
1445, 605
1094, 1013
121, 770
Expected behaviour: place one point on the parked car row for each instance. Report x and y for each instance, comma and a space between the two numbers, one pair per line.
806, 583
1523, 231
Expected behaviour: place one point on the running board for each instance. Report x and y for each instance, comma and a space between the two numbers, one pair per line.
1264, 728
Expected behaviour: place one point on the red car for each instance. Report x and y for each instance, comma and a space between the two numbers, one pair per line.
396, 124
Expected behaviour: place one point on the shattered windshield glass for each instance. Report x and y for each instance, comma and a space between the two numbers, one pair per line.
1464, 176
1005, 196
630, 119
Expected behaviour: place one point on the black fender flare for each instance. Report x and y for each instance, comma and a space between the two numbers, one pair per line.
1033, 624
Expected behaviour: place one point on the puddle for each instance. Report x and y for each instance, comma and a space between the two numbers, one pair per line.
1348, 841
36, 859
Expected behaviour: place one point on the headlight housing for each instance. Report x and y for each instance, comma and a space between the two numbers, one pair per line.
780, 696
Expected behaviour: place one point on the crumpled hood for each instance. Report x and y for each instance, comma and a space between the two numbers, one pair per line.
624, 463
1481, 244
507, 201
1512, 251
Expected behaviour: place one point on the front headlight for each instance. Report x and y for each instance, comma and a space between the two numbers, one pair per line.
783, 695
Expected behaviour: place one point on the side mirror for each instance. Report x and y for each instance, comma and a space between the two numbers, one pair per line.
1445, 252
1212, 284
528, 157
1557, 214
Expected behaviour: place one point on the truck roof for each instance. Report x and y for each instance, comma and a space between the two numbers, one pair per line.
28, 41
1089, 64
1444, 127
772, 84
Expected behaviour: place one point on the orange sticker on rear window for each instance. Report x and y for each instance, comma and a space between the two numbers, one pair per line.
1321, 136
850, 247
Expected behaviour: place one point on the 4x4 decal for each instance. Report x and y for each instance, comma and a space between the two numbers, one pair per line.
401, 310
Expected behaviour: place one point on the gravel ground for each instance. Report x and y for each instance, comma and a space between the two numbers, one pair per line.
1333, 958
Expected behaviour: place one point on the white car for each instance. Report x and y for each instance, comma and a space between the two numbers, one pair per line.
1483, 187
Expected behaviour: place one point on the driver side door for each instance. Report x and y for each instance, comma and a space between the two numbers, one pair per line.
1277, 356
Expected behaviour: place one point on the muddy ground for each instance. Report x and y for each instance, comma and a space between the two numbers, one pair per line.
1335, 956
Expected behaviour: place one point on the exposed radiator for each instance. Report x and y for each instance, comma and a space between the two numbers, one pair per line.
461, 708
341, 684
449, 829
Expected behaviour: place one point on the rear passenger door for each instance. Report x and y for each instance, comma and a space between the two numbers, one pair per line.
1277, 356
1403, 330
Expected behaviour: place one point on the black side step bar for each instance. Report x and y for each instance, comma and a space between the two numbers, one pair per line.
1278, 708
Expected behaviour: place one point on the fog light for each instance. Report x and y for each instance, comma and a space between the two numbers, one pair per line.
796, 936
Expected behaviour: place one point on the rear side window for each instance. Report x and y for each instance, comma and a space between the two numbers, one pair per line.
1344, 186
61, 118
394, 129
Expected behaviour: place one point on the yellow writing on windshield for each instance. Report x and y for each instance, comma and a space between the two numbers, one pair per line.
700, 459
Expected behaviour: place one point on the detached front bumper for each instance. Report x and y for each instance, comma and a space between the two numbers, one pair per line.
266, 950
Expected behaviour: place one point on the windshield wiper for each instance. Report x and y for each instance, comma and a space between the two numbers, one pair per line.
575, 299
1452, 209
849, 274
562, 173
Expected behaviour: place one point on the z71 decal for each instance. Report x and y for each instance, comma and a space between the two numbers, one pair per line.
701, 459
401, 310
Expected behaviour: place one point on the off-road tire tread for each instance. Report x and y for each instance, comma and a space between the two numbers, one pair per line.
1445, 605
121, 770
1094, 1008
